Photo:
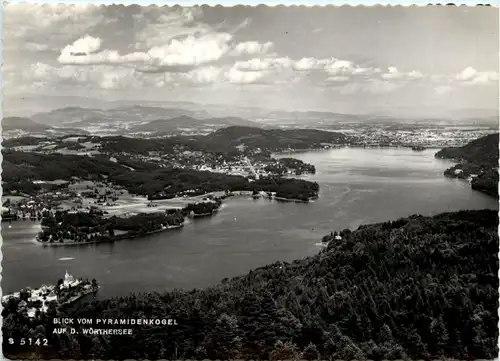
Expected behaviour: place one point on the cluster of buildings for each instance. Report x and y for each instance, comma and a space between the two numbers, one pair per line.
434, 138
33, 300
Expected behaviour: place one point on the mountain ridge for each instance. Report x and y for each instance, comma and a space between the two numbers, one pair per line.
168, 125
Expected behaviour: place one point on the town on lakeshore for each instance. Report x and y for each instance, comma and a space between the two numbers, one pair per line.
250, 182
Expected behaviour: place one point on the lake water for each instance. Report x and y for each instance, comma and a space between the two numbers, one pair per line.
357, 186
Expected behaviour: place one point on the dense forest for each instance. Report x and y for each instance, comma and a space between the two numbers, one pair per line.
478, 158
148, 180
296, 166
272, 139
81, 227
417, 287
226, 140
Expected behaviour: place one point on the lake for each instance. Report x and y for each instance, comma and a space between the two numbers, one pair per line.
358, 186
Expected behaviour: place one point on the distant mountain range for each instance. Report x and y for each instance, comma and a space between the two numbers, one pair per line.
110, 120
120, 121
137, 119
25, 126
186, 118
187, 123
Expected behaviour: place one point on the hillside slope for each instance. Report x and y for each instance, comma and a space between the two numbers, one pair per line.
273, 139
482, 151
184, 121
24, 124
419, 287
477, 160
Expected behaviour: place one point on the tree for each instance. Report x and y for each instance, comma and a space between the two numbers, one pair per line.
224, 340
439, 333
415, 346
24, 295
311, 352
284, 351
97, 349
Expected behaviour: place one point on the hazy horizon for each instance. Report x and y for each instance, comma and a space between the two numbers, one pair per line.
222, 109
403, 62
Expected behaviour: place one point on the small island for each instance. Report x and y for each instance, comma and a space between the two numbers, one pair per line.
33, 303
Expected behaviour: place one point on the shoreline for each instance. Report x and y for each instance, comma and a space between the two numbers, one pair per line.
292, 200
281, 199
81, 295
202, 215
240, 193
340, 146
62, 244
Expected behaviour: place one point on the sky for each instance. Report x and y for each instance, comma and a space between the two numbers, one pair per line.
395, 60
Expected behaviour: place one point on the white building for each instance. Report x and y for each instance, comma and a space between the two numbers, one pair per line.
69, 280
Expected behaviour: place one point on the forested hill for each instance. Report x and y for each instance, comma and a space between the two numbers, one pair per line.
478, 160
226, 140
274, 139
482, 151
19, 123
418, 287
28, 126
184, 121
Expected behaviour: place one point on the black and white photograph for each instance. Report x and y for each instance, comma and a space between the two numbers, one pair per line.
250, 182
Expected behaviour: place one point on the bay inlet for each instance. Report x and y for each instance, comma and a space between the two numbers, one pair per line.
357, 186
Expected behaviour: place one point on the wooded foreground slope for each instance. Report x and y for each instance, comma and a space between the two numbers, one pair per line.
418, 287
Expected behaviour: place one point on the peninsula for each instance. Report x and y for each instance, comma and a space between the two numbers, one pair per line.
477, 162
33, 303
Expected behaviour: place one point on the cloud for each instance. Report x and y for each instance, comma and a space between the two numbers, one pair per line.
23, 18
107, 77
466, 74
485, 78
79, 49
233, 75
307, 64
251, 48
258, 64
36, 47
338, 78
35, 23
205, 75
159, 27
316, 70
394, 74
372, 86
415, 75
471, 76
245, 23
339, 67
191, 51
